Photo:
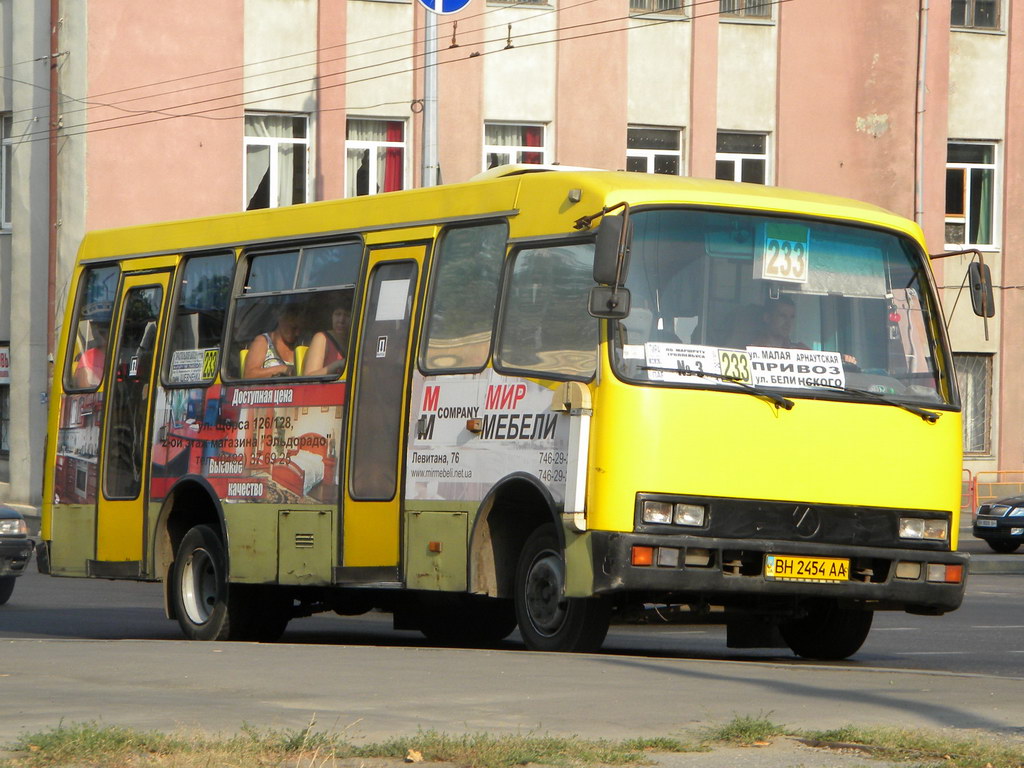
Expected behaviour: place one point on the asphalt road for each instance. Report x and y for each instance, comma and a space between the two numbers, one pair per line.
78, 650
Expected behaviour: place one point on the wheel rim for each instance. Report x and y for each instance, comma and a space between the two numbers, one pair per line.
199, 586
545, 605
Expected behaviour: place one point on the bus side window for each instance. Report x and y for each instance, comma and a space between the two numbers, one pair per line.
546, 326
463, 298
198, 325
293, 301
86, 358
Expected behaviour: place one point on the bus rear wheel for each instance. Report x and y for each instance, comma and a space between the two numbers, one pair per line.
549, 621
208, 608
827, 631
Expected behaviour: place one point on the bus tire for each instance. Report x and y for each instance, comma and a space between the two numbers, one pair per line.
6, 588
549, 621
200, 588
827, 632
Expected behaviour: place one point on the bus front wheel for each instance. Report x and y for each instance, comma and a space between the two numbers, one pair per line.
549, 621
827, 631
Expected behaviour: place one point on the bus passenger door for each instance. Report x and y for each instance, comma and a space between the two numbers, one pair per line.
369, 544
127, 424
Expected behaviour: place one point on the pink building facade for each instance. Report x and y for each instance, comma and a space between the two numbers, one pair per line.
155, 111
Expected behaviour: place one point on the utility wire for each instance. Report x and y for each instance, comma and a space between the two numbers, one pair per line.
164, 113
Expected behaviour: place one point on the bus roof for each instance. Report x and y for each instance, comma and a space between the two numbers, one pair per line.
535, 198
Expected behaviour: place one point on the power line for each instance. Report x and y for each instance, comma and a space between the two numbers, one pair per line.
165, 114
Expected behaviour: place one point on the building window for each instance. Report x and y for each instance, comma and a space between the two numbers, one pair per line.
974, 378
506, 144
276, 149
671, 7
6, 149
654, 150
970, 194
742, 157
374, 156
748, 9
975, 14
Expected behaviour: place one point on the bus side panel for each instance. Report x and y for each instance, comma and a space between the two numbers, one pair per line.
469, 431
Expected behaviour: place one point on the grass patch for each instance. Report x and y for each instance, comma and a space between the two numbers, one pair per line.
744, 730
926, 748
92, 745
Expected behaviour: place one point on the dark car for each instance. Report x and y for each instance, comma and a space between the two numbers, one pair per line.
15, 550
1000, 524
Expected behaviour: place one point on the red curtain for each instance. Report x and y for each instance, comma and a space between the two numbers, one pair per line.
393, 160
533, 136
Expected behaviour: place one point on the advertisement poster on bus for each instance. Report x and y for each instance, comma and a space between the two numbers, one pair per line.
273, 444
469, 432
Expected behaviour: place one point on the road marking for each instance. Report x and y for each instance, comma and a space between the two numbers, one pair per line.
932, 653
897, 629
998, 626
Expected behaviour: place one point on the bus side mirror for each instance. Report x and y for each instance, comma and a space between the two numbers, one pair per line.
982, 300
609, 301
611, 246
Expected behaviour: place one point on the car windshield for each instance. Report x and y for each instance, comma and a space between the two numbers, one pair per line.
791, 304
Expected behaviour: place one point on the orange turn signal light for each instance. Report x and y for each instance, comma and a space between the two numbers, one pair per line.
643, 556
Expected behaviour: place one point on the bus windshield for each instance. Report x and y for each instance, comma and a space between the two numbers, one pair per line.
797, 304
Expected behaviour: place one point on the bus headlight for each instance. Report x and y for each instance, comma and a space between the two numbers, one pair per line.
929, 529
667, 513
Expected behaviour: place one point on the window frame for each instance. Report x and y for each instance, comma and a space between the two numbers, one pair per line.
273, 142
678, 9
969, 406
67, 375
995, 205
174, 307
6, 160
238, 291
970, 13
431, 294
737, 158
514, 251
372, 146
650, 155
513, 150
740, 11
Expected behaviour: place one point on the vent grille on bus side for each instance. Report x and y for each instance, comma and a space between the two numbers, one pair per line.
304, 540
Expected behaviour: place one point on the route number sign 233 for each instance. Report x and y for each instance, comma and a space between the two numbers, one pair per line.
785, 252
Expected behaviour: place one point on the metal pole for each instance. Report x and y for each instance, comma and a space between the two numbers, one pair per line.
428, 176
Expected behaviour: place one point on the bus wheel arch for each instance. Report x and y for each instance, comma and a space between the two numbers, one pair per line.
514, 509
192, 502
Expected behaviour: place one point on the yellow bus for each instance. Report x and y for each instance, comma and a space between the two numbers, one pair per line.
545, 399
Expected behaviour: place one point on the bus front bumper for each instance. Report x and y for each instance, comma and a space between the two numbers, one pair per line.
681, 568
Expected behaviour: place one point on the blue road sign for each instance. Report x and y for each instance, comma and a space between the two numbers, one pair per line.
444, 6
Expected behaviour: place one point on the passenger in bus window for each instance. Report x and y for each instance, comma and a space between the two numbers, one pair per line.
273, 354
779, 317
89, 367
328, 348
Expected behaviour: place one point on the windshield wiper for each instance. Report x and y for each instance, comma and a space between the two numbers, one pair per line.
777, 400
930, 416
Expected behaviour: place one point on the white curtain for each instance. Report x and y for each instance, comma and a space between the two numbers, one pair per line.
258, 156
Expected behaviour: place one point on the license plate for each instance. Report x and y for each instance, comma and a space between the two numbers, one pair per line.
983, 523
792, 568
